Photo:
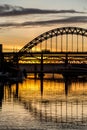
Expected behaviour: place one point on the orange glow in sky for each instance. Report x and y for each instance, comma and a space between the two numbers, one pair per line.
19, 27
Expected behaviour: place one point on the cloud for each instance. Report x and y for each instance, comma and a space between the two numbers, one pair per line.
75, 19
9, 10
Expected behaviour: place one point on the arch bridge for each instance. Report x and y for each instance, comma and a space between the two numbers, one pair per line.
64, 47
56, 43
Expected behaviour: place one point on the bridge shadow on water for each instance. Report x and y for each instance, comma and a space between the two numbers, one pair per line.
67, 112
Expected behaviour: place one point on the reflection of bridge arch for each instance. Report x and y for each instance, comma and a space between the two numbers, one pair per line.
70, 111
58, 111
61, 110
66, 39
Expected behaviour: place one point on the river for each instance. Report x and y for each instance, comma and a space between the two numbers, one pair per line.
44, 105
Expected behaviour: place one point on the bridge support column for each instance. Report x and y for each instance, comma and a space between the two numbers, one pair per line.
66, 60
16, 60
53, 76
42, 63
41, 74
41, 69
35, 72
35, 75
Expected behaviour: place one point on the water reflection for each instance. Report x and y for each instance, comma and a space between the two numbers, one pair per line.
59, 101
1, 94
67, 84
17, 90
41, 86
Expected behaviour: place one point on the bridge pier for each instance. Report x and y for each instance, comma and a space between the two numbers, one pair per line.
35, 72
41, 74
66, 60
42, 63
16, 60
35, 75
53, 76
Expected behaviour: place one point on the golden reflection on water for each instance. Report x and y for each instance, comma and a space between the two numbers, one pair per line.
60, 101
31, 89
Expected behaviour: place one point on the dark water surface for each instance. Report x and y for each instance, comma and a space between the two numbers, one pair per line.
44, 105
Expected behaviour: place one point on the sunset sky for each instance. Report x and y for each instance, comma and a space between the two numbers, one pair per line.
23, 20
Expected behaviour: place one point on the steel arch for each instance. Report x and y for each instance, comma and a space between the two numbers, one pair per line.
53, 33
